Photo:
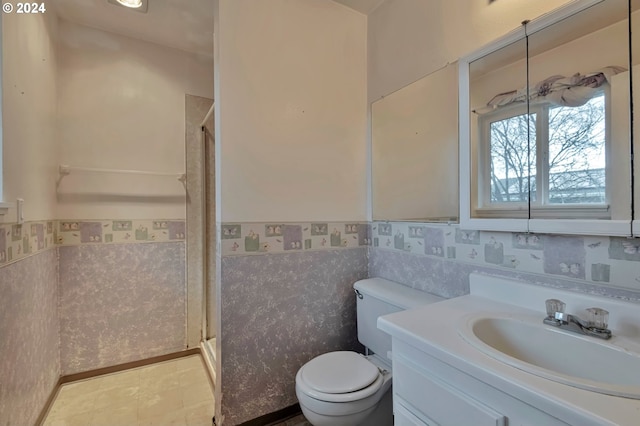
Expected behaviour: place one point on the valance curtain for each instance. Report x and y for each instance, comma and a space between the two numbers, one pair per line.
572, 91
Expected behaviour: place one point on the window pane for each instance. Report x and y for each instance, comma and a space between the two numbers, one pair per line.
509, 162
577, 153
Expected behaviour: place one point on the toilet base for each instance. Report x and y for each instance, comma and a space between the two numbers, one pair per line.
379, 415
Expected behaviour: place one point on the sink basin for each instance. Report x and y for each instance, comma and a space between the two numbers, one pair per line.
609, 367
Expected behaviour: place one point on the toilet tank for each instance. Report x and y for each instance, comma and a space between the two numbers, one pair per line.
377, 297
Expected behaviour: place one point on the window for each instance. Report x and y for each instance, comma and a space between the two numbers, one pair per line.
554, 160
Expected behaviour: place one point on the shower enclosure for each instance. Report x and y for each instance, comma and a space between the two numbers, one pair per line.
201, 231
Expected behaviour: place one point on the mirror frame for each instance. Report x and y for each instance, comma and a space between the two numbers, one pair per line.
551, 226
635, 176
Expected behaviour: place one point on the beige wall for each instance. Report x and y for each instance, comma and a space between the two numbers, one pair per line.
408, 39
121, 106
291, 111
29, 110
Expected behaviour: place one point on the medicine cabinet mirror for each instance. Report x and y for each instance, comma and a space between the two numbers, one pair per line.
415, 150
545, 125
635, 62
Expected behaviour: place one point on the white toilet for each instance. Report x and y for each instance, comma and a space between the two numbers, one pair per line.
346, 388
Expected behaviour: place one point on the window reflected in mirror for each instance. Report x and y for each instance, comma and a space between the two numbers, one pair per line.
575, 153
558, 144
573, 142
508, 146
500, 131
579, 85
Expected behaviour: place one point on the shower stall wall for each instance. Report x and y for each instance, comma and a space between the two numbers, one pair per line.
201, 235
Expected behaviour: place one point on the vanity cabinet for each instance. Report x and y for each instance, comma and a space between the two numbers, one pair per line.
402, 416
443, 376
427, 391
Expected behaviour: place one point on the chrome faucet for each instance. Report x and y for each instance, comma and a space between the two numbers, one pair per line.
595, 325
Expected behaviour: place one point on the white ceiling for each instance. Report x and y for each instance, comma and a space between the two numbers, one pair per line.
182, 24
362, 6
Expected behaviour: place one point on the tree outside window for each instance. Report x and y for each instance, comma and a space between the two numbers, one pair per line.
571, 142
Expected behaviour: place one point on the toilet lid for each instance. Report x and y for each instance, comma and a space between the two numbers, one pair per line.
339, 372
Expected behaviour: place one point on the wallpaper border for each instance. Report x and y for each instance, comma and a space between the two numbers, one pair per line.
600, 260
254, 238
18, 241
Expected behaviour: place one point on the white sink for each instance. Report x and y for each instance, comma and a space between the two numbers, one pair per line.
610, 367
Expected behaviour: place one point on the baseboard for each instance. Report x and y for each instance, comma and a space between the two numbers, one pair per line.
275, 417
128, 365
109, 370
49, 402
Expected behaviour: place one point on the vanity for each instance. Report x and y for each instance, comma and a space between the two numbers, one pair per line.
546, 134
487, 358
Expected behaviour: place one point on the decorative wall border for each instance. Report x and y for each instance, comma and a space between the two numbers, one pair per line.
18, 241
278, 237
119, 231
607, 260
596, 259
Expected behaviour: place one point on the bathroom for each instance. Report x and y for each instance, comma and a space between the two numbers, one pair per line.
293, 203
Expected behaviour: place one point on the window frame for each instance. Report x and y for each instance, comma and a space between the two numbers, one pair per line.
540, 207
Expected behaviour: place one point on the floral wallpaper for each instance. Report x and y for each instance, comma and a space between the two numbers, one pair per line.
30, 349
120, 303
279, 311
597, 259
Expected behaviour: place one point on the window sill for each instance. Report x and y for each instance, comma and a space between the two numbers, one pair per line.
577, 211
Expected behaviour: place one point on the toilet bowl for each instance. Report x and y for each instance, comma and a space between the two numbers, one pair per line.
345, 388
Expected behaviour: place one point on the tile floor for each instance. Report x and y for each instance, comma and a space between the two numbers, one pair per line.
169, 393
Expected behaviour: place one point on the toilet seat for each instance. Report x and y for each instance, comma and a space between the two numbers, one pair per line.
342, 376
339, 372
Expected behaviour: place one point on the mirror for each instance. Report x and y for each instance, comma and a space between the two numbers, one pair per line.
635, 67
548, 129
498, 167
415, 150
582, 150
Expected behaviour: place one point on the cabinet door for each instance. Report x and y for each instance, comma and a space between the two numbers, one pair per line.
438, 400
403, 417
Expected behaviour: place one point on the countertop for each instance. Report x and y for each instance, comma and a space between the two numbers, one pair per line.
433, 329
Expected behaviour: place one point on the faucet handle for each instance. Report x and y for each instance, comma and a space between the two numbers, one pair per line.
553, 306
598, 318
